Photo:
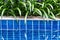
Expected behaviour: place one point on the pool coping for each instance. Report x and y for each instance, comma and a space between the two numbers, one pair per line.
22, 18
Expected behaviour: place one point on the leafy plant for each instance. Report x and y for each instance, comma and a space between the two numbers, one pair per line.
45, 9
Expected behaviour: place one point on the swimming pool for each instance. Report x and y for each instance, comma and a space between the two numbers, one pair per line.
32, 30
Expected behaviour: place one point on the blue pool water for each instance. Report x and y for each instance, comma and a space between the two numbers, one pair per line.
32, 30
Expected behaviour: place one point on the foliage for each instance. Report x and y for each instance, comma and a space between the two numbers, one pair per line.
45, 9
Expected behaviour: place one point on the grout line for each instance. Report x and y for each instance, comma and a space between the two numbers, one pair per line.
13, 31
26, 32
1, 29
32, 30
7, 29
58, 30
51, 29
45, 30
19, 31
24, 29
38, 30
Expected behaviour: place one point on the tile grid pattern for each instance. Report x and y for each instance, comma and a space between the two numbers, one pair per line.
33, 30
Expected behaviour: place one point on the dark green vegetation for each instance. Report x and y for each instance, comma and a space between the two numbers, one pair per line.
46, 8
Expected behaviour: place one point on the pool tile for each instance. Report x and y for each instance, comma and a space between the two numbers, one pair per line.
29, 24
35, 24
10, 24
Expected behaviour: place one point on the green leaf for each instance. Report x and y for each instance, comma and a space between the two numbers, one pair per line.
55, 1
12, 13
58, 14
52, 15
32, 7
29, 3
51, 6
38, 11
45, 14
43, 5
24, 4
19, 11
38, 3
1, 7
3, 12
11, 2
48, 10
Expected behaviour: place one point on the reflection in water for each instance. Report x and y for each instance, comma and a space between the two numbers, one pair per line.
53, 36
46, 38
25, 35
56, 31
2, 38
58, 37
43, 35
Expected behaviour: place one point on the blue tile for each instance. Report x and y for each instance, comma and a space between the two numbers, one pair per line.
10, 38
16, 24
42, 37
48, 25
59, 24
59, 33
48, 33
55, 33
4, 24
10, 35
16, 39
29, 34
42, 32
0, 35
55, 25
0, 24
42, 24
4, 34
35, 35
35, 24
23, 35
54, 39
16, 34
29, 24
10, 24
22, 25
